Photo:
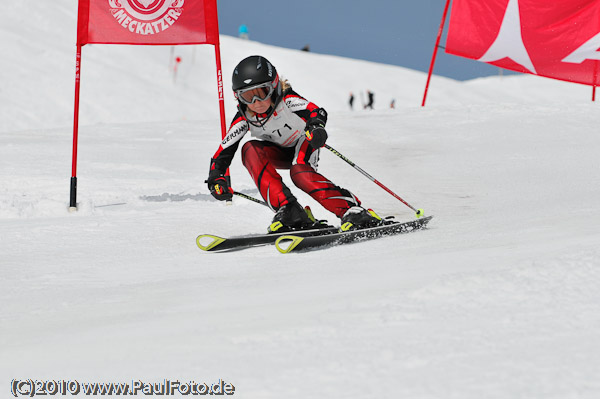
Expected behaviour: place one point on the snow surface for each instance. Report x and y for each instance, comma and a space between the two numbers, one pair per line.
499, 298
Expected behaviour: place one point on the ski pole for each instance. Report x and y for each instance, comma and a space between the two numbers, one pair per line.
250, 198
419, 212
246, 196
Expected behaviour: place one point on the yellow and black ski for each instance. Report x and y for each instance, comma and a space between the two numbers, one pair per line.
212, 243
294, 243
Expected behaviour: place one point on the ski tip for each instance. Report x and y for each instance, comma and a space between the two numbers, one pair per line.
208, 242
424, 221
286, 244
420, 212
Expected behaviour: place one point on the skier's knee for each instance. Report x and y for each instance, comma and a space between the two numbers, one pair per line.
248, 150
301, 173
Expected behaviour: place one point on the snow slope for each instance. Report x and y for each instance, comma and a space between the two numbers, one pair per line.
498, 298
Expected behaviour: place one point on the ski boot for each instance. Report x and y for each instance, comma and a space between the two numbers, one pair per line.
358, 217
290, 217
316, 224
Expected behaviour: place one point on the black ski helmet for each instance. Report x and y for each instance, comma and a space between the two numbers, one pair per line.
252, 71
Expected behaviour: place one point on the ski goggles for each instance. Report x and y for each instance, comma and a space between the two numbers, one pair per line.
259, 92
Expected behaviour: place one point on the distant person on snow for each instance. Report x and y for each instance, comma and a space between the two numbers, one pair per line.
370, 98
243, 32
289, 132
351, 100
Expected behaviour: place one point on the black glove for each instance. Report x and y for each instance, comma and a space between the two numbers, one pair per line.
315, 133
218, 186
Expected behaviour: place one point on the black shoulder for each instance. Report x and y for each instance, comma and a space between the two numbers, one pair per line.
236, 118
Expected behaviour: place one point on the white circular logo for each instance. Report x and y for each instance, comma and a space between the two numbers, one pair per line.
146, 17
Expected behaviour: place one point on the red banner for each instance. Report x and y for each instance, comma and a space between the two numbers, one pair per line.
557, 39
147, 22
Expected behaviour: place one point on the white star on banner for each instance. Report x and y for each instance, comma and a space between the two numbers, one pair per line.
587, 51
509, 42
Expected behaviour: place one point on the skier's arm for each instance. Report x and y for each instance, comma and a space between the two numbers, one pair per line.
305, 109
224, 155
315, 117
220, 162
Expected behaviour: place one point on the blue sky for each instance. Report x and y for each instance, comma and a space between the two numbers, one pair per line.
398, 32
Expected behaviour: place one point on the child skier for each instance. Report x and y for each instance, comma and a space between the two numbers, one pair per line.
289, 132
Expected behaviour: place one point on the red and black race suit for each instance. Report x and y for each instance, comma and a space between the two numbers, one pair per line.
280, 143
